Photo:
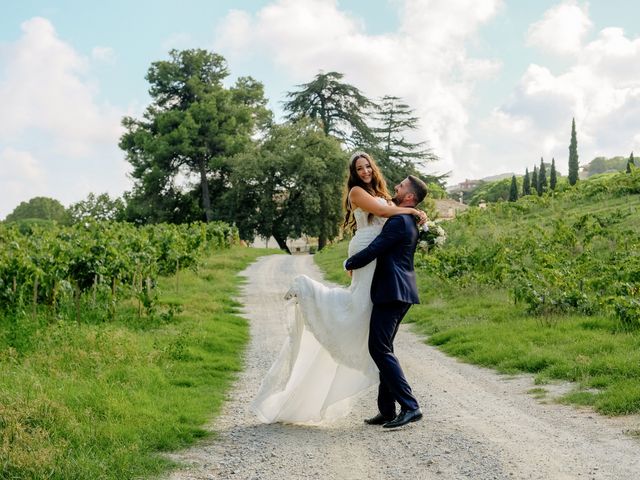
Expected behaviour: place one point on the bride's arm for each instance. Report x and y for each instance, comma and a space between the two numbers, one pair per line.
359, 197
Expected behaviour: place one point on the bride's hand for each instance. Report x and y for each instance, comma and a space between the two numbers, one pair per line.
421, 216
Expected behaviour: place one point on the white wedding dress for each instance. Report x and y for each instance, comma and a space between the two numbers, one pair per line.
325, 360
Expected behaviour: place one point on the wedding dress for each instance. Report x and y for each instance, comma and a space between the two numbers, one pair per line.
325, 360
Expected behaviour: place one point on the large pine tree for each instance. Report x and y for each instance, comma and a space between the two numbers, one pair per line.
630, 162
573, 155
534, 179
553, 176
340, 107
397, 156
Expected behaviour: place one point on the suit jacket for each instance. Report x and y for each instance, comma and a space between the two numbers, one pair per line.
394, 278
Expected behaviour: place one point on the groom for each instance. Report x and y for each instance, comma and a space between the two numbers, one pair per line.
393, 291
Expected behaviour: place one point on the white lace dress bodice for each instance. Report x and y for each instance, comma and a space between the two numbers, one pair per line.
325, 360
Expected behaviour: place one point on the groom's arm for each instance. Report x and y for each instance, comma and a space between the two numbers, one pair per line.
392, 233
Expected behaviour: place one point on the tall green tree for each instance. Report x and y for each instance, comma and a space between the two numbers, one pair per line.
553, 175
41, 208
513, 192
193, 125
630, 162
526, 183
290, 185
534, 179
397, 156
542, 178
97, 207
340, 108
573, 155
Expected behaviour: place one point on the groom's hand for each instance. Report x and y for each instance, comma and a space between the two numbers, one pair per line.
350, 273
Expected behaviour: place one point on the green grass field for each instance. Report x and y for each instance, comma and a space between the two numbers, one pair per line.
101, 401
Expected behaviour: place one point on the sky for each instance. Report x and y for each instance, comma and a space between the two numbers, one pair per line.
494, 83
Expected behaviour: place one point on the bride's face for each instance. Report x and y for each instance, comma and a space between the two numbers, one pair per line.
364, 170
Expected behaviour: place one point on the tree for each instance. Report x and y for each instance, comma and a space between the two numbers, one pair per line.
534, 179
526, 183
397, 156
193, 125
339, 107
99, 207
630, 162
573, 155
43, 208
553, 176
542, 178
513, 193
290, 185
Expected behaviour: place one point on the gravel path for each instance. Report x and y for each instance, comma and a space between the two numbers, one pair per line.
477, 424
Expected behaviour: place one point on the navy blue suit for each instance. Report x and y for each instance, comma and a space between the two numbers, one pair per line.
393, 291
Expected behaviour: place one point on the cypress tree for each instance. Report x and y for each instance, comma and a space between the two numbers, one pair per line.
513, 193
526, 183
573, 155
534, 179
553, 180
630, 162
542, 178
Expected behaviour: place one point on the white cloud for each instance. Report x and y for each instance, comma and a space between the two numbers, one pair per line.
425, 62
50, 112
562, 29
601, 89
44, 89
20, 175
104, 54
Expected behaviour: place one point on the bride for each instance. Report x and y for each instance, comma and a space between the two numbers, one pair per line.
325, 360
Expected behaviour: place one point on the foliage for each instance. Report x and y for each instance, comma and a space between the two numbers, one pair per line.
193, 125
43, 208
573, 155
291, 185
586, 262
526, 183
491, 192
513, 191
82, 270
339, 107
100, 207
542, 185
397, 156
553, 177
605, 165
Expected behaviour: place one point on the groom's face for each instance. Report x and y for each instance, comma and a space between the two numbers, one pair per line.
403, 190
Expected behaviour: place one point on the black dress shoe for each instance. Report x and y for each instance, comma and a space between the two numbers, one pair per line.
403, 418
379, 419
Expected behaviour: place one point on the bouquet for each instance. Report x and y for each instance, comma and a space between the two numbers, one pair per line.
431, 235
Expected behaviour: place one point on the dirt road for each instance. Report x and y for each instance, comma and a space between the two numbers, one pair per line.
477, 424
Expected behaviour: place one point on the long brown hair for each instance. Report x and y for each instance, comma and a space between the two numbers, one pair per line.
377, 187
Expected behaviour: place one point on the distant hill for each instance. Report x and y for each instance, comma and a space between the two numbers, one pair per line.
604, 165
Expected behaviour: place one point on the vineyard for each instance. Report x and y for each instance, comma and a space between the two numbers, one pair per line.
81, 272
578, 253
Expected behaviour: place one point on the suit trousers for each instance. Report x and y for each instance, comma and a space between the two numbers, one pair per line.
385, 321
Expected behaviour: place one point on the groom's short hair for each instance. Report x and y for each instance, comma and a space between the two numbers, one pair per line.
418, 187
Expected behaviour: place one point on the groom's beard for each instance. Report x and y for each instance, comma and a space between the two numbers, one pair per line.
395, 200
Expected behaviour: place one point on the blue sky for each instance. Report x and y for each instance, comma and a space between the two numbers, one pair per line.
494, 82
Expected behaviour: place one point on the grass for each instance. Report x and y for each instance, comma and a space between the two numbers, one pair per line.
100, 401
481, 325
